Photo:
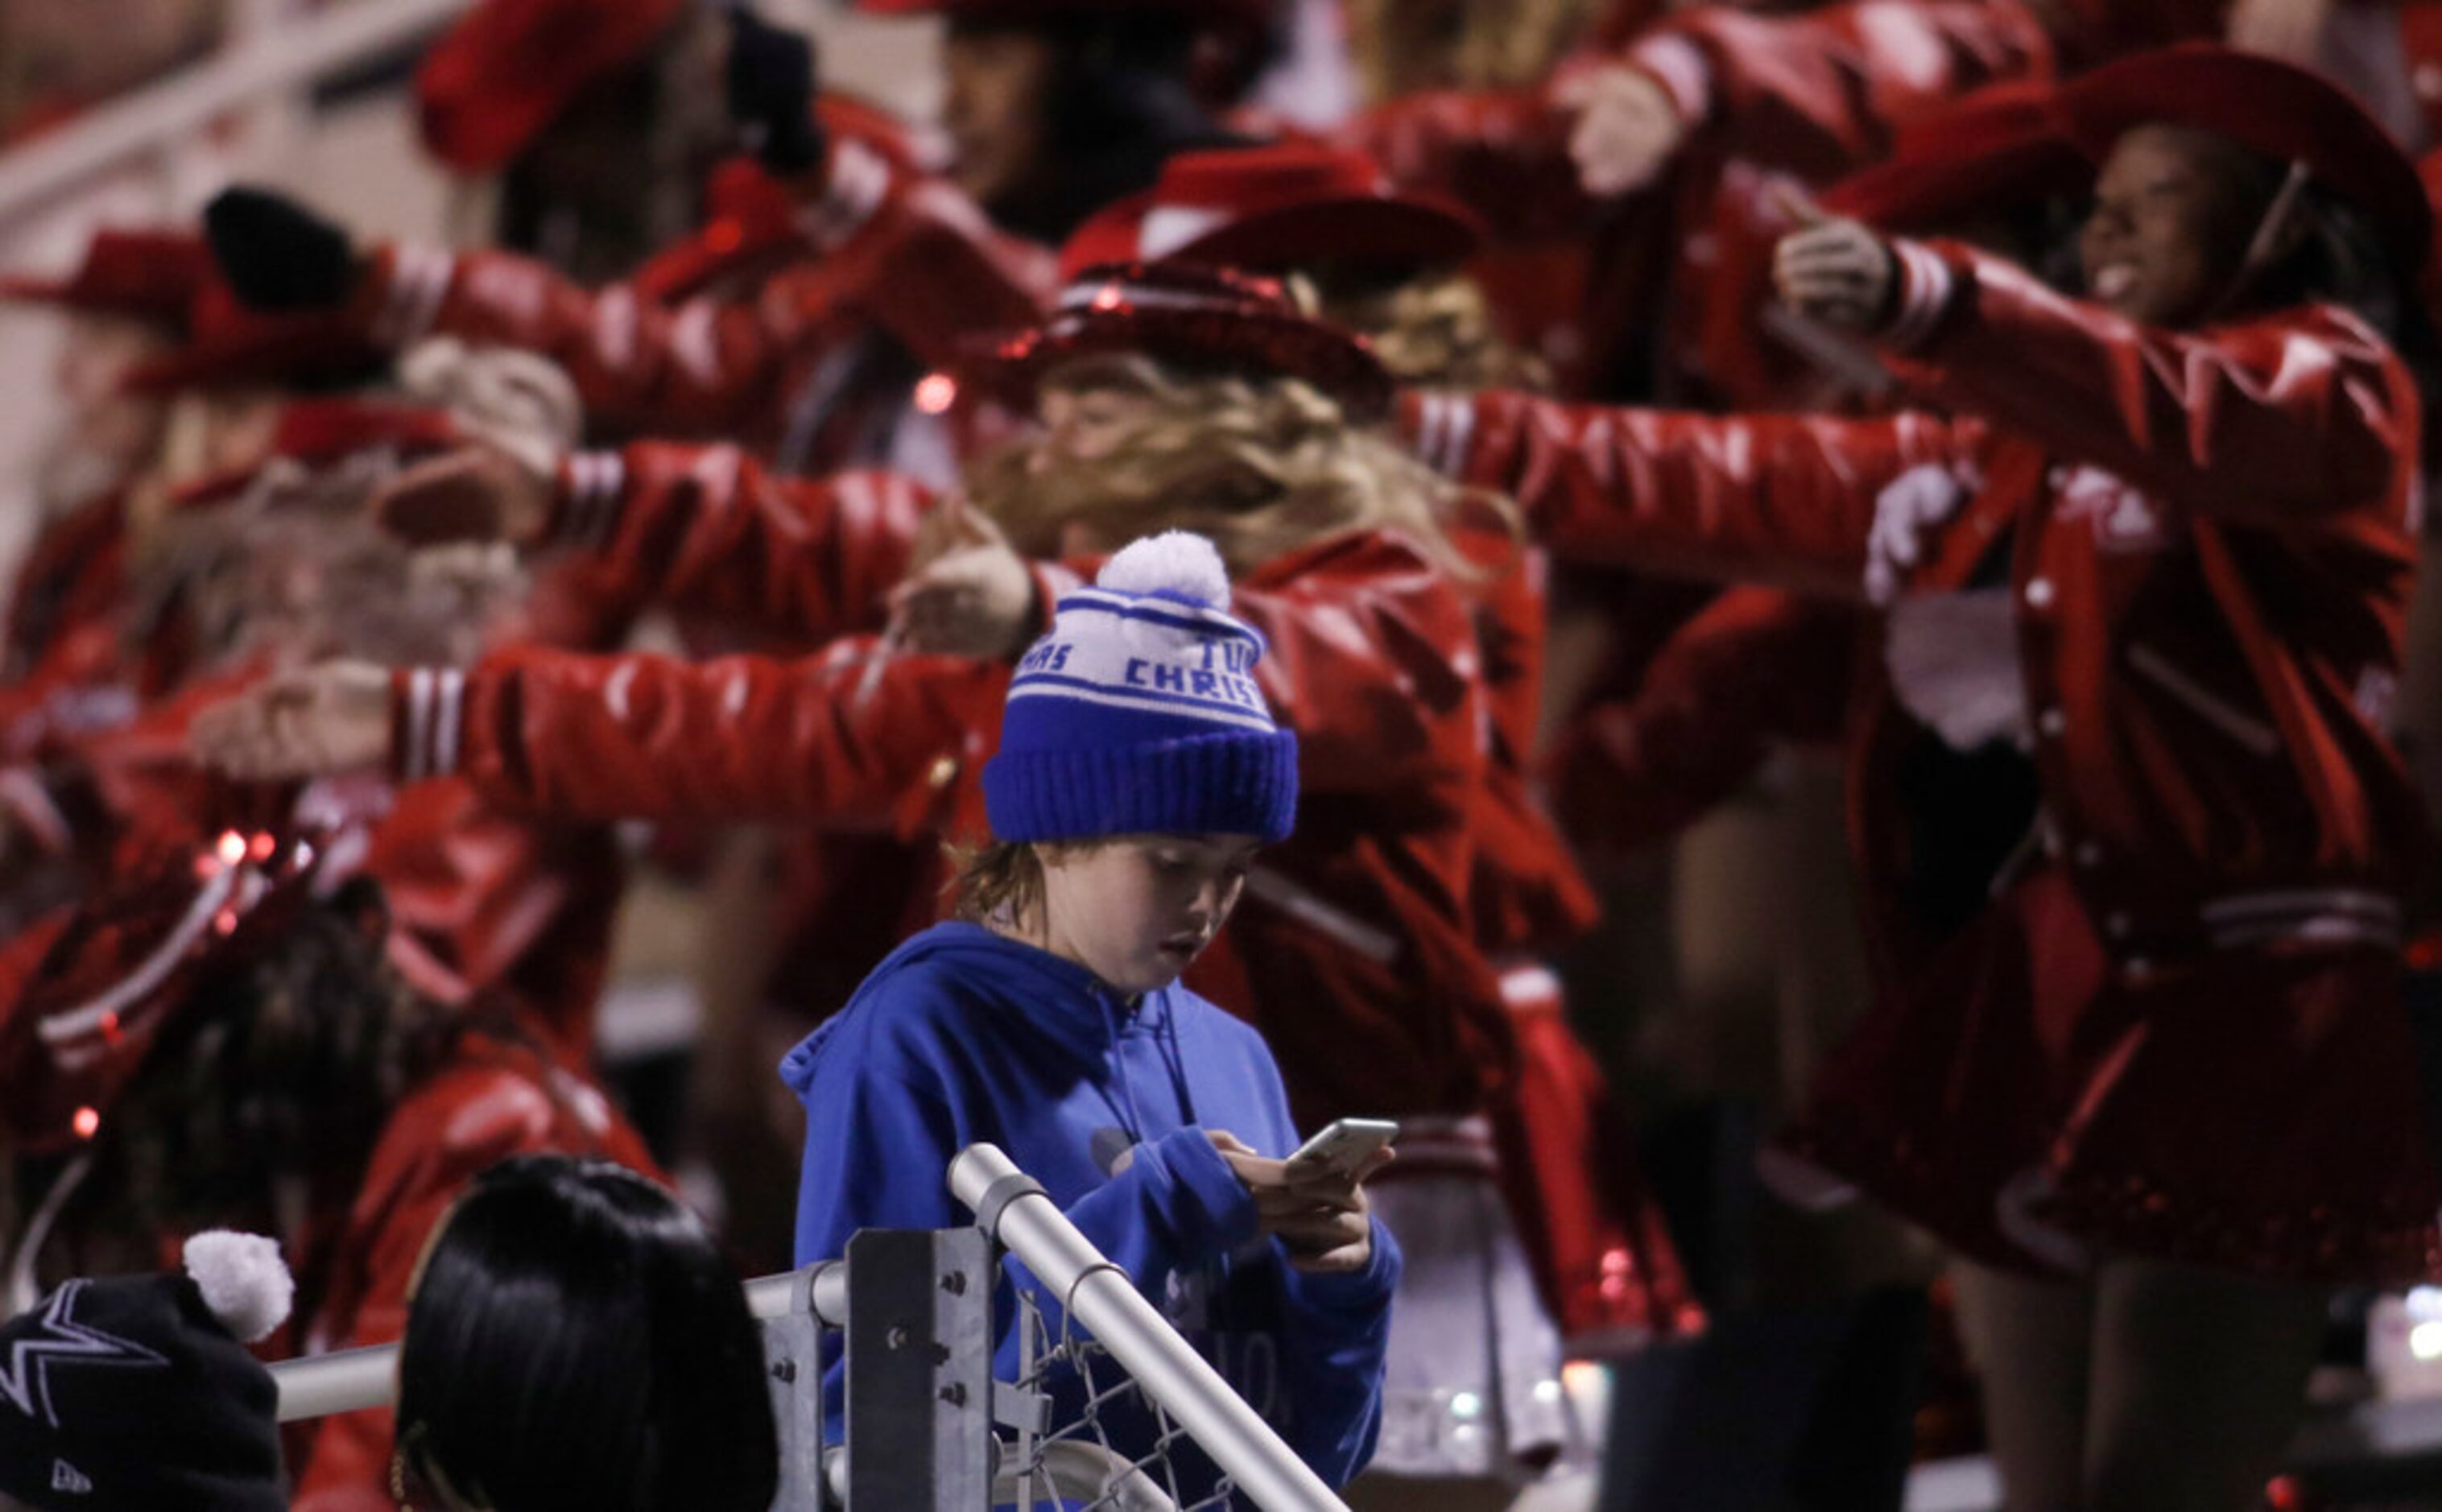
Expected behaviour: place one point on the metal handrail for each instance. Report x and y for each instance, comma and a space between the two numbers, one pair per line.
297, 53
1016, 1211
349, 1380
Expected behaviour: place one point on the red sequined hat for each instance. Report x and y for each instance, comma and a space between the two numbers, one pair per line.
2271, 107
1196, 318
230, 346
487, 89
1275, 207
127, 959
1996, 145
150, 276
1236, 14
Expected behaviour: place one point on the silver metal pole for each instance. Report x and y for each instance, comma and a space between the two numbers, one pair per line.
349, 1380
1107, 1302
345, 1380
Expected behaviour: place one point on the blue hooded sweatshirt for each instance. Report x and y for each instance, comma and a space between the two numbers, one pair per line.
963, 1035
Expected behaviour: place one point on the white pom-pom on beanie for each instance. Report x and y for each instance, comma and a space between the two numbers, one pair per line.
1140, 711
1177, 563
244, 1281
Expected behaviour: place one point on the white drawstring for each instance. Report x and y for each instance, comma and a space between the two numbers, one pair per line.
21, 1291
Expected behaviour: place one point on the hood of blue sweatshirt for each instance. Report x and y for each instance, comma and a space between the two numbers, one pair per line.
1060, 1002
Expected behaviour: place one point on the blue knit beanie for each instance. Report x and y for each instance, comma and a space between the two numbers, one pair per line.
1138, 714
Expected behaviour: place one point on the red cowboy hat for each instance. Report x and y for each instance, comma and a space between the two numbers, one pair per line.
230, 346
128, 958
488, 87
1196, 318
152, 276
751, 220
2274, 108
1276, 208
319, 432
1991, 148
1235, 13
750, 223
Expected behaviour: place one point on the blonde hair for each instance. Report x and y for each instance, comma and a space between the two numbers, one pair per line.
1437, 331
294, 566
1405, 47
1259, 468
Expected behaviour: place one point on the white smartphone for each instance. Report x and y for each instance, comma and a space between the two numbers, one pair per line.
1344, 1146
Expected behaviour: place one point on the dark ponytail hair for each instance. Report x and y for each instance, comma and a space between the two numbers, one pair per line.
2342, 262
282, 1069
577, 1342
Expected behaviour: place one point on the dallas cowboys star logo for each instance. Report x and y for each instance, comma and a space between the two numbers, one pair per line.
58, 1338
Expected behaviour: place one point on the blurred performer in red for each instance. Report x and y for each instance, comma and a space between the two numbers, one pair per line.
270, 562
216, 1038
2136, 835
600, 121
1052, 112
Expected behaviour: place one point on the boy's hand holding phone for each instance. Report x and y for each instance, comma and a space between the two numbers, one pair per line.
1317, 1210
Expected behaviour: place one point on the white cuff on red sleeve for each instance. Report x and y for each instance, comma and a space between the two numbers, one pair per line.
1679, 66
1444, 429
1926, 288
859, 178
593, 486
419, 280
431, 716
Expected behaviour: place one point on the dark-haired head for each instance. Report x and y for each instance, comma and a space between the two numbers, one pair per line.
1052, 115
279, 1071
576, 1342
2189, 227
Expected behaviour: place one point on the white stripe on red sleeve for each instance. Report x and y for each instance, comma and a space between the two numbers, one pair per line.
419, 280
1926, 288
1680, 68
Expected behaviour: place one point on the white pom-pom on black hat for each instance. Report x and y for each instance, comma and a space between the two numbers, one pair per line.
244, 1281
1176, 562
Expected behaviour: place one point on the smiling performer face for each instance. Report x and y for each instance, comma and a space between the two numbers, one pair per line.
2177, 212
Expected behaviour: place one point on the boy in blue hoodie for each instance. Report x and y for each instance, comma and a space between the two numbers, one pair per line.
1139, 772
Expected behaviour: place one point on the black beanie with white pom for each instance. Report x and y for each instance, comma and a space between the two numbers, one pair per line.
137, 1393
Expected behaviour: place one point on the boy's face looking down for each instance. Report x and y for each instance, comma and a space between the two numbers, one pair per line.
1137, 909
